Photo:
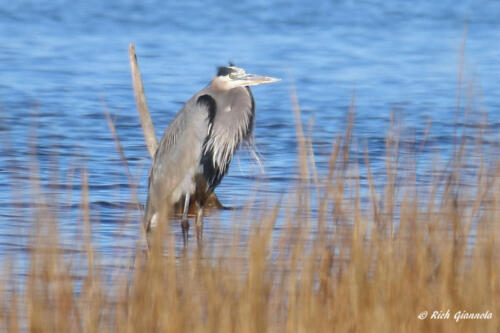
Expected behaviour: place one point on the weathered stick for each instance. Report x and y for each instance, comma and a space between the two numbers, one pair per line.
142, 107
147, 124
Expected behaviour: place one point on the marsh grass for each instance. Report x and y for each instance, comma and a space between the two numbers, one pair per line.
346, 257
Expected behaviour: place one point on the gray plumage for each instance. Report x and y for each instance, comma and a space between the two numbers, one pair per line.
197, 147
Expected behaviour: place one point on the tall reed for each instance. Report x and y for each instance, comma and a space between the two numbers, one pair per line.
346, 257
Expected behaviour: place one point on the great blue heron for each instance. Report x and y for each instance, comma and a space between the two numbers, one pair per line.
195, 151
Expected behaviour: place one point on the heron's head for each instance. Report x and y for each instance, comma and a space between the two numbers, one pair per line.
232, 77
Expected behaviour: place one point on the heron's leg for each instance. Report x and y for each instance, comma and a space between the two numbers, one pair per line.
184, 221
199, 215
199, 224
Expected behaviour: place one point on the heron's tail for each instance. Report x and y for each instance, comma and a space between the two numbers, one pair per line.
149, 216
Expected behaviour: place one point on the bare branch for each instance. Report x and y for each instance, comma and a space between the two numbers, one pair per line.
142, 106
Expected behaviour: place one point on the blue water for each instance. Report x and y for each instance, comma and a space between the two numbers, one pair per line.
64, 63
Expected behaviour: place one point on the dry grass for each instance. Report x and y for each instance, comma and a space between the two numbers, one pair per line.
335, 265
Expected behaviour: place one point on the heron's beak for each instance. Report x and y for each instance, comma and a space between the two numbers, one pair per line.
245, 79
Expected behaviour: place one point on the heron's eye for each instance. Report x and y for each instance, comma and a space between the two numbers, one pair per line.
236, 73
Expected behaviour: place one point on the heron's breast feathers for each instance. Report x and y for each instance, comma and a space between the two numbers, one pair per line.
226, 131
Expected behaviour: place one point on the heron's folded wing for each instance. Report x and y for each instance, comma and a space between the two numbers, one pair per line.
178, 156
